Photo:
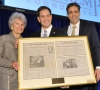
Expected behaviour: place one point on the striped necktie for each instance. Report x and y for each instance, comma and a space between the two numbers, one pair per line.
73, 31
45, 33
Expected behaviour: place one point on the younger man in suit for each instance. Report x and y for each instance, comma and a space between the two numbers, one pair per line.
83, 28
44, 17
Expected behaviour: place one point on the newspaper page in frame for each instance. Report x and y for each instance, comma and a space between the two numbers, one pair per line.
54, 62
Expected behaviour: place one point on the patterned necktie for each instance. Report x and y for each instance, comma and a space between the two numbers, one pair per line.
45, 33
73, 31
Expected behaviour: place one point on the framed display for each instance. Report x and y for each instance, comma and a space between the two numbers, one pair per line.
54, 62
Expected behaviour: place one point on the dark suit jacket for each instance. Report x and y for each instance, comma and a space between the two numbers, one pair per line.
88, 29
54, 33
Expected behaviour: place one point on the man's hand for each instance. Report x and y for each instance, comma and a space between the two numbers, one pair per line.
97, 74
64, 87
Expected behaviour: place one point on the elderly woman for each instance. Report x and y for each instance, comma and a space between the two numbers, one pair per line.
8, 52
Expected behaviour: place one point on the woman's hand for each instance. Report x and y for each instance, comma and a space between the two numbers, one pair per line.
16, 43
15, 66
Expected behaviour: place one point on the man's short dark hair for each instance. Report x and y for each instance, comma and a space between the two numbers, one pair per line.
72, 4
42, 8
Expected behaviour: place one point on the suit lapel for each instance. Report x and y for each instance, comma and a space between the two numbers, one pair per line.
53, 32
66, 28
81, 29
39, 33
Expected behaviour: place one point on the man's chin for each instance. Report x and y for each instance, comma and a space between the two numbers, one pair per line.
47, 26
74, 21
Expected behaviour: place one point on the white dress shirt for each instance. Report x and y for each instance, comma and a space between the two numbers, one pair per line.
69, 32
48, 31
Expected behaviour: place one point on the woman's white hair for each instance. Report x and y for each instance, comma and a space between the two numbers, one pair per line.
18, 16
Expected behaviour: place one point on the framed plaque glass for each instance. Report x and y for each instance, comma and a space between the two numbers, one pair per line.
54, 62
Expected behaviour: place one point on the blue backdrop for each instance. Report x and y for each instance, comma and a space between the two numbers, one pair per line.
33, 24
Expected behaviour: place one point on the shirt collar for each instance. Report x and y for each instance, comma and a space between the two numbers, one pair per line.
48, 30
77, 25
